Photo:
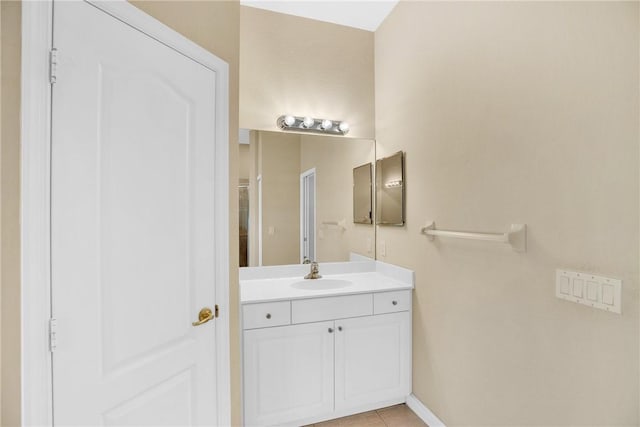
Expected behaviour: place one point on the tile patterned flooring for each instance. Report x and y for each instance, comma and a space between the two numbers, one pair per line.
393, 416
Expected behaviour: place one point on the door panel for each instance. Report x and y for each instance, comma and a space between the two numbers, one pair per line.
133, 141
141, 210
373, 356
165, 404
288, 373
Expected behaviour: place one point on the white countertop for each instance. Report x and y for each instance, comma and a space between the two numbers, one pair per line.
277, 289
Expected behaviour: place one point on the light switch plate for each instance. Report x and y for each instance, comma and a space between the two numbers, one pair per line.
594, 291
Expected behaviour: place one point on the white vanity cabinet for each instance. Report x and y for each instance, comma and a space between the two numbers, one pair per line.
288, 373
334, 357
372, 359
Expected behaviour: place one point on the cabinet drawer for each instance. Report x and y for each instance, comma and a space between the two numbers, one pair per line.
318, 309
266, 315
391, 302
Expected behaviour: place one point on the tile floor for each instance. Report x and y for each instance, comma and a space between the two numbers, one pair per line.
393, 416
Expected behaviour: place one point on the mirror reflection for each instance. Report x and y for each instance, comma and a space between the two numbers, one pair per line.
390, 190
296, 195
362, 211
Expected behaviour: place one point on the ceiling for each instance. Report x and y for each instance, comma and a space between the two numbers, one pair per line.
363, 14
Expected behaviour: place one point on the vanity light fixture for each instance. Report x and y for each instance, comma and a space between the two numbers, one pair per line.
309, 124
393, 184
289, 120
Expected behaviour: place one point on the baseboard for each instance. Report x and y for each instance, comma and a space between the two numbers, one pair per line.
423, 412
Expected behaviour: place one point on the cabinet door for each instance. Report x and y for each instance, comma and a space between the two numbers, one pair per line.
373, 358
288, 373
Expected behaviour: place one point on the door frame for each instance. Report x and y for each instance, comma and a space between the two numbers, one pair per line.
259, 181
36, 366
303, 175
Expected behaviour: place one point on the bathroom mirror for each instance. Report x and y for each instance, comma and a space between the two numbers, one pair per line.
362, 206
296, 198
390, 190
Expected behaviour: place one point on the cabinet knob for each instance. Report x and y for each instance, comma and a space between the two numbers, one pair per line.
340, 328
394, 302
330, 330
268, 315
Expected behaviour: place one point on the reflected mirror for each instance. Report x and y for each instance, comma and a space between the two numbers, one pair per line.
296, 196
390, 190
362, 212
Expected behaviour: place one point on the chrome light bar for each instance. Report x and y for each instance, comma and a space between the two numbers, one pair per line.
309, 124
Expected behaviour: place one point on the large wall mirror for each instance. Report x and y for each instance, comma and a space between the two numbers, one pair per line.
297, 198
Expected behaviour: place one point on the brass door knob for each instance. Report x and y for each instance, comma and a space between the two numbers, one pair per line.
204, 316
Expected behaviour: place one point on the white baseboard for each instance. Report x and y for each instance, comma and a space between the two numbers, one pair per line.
423, 412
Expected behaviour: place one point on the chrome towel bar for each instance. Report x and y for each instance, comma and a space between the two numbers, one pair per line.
516, 236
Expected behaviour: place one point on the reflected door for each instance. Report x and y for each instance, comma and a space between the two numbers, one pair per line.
243, 222
133, 243
308, 216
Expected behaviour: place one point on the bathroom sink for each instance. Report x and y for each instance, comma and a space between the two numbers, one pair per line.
321, 284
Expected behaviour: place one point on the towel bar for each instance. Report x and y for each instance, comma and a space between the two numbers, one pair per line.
516, 236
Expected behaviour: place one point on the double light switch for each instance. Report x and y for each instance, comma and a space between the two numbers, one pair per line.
600, 292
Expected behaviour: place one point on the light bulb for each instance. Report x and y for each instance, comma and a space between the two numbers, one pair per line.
326, 124
308, 122
289, 120
344, 127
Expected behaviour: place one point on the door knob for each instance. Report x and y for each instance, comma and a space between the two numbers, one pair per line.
204, 316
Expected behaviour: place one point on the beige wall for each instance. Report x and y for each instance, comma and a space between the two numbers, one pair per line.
280, 198
9, 213
0, 214
292, 65
244, 161
516, 112
255, 169
334, 160
213, 25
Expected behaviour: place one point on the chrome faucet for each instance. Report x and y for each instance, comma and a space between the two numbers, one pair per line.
314, 273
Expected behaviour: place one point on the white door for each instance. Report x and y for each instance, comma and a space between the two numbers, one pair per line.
373, 358
288, 373
133, 136
308, 216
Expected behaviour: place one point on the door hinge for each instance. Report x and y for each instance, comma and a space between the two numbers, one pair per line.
53, 65
53, 330
216, 311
